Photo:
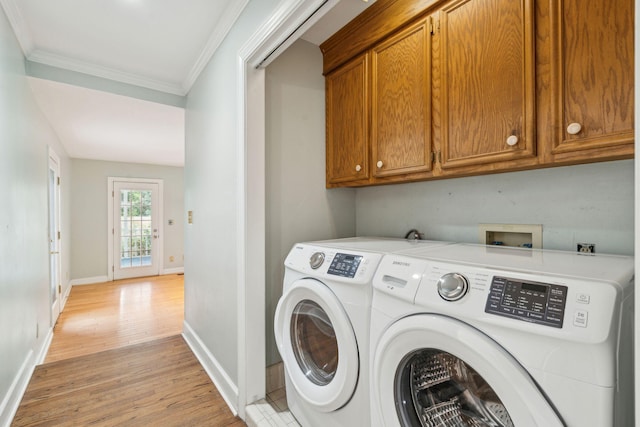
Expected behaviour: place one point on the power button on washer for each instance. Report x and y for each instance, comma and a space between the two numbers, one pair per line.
583, 298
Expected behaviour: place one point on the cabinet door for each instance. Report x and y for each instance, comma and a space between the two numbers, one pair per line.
593, 73
347, 109
400, 103
486, 73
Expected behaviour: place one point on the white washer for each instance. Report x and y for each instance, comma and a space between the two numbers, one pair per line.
484, 335
322, 327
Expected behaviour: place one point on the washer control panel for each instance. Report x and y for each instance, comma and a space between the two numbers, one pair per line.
337, 264
534, 302
344, 265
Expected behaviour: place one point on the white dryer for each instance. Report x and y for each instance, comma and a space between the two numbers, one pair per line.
491, 336
322, 327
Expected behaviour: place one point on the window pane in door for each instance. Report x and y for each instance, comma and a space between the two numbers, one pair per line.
135, 228
314, 342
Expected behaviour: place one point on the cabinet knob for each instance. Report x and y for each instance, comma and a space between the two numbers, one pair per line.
574, 128
358, 168
512, 140
379, 164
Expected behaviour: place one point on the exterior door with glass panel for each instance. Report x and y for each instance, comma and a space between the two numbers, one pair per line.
318, 345
136, 232
431, 370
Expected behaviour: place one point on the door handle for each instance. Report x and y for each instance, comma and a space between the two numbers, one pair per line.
54, 253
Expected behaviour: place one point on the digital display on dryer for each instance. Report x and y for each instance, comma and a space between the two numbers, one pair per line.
345, 265
532, 302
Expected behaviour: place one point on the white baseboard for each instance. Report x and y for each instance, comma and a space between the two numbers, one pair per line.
42, 354
65, 297
221, 380
176, 270
89, 280
11, 400
102, 279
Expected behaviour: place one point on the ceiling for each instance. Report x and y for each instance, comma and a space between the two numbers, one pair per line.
161, 45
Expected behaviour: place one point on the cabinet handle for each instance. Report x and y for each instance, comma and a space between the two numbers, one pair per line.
512, 140
379, 164
358, 168
574, 128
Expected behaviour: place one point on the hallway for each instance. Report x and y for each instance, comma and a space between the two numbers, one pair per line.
110, 315
117, 358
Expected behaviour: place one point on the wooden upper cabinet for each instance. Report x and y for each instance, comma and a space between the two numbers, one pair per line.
401, 103
592, 74
347, 122
485, 82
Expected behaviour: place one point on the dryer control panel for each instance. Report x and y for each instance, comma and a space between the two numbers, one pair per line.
535, 302
336, 264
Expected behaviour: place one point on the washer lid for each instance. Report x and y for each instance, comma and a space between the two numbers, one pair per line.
430, 365
318, 345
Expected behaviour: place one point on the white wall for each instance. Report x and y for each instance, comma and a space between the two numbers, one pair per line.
586, 203
89, 200
24, 254
298, 207
212, 168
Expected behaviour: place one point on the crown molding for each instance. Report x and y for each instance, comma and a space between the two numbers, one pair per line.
222, 28
71, 64
291, 18
31, 53
19, 28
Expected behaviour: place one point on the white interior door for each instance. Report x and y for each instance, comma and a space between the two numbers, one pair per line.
54, 237
136, 228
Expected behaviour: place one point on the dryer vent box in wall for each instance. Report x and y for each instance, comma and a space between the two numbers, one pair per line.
520, 235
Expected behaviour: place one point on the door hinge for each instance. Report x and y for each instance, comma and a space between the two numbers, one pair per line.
434, 25
59, 289
58, 180
113, 193
58, 235
113, 269
435, 157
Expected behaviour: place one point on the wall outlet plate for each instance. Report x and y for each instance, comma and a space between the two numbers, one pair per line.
518, 235
586, 248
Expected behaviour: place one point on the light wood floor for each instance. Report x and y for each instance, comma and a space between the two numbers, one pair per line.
115, 314
117, 359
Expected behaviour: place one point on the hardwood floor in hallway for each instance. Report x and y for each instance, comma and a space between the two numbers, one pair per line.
115, 314
117, 359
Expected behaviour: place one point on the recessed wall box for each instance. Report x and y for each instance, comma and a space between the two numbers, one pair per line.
520, 235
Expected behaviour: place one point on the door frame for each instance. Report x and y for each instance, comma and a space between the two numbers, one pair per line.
53, 158
110, 220
289, 20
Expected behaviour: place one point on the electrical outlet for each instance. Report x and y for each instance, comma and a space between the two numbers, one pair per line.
587, 248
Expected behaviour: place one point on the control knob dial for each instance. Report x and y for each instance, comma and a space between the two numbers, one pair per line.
452, 286
316, 260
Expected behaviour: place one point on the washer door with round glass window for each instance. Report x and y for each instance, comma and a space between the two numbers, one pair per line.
318, 344
432, 370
